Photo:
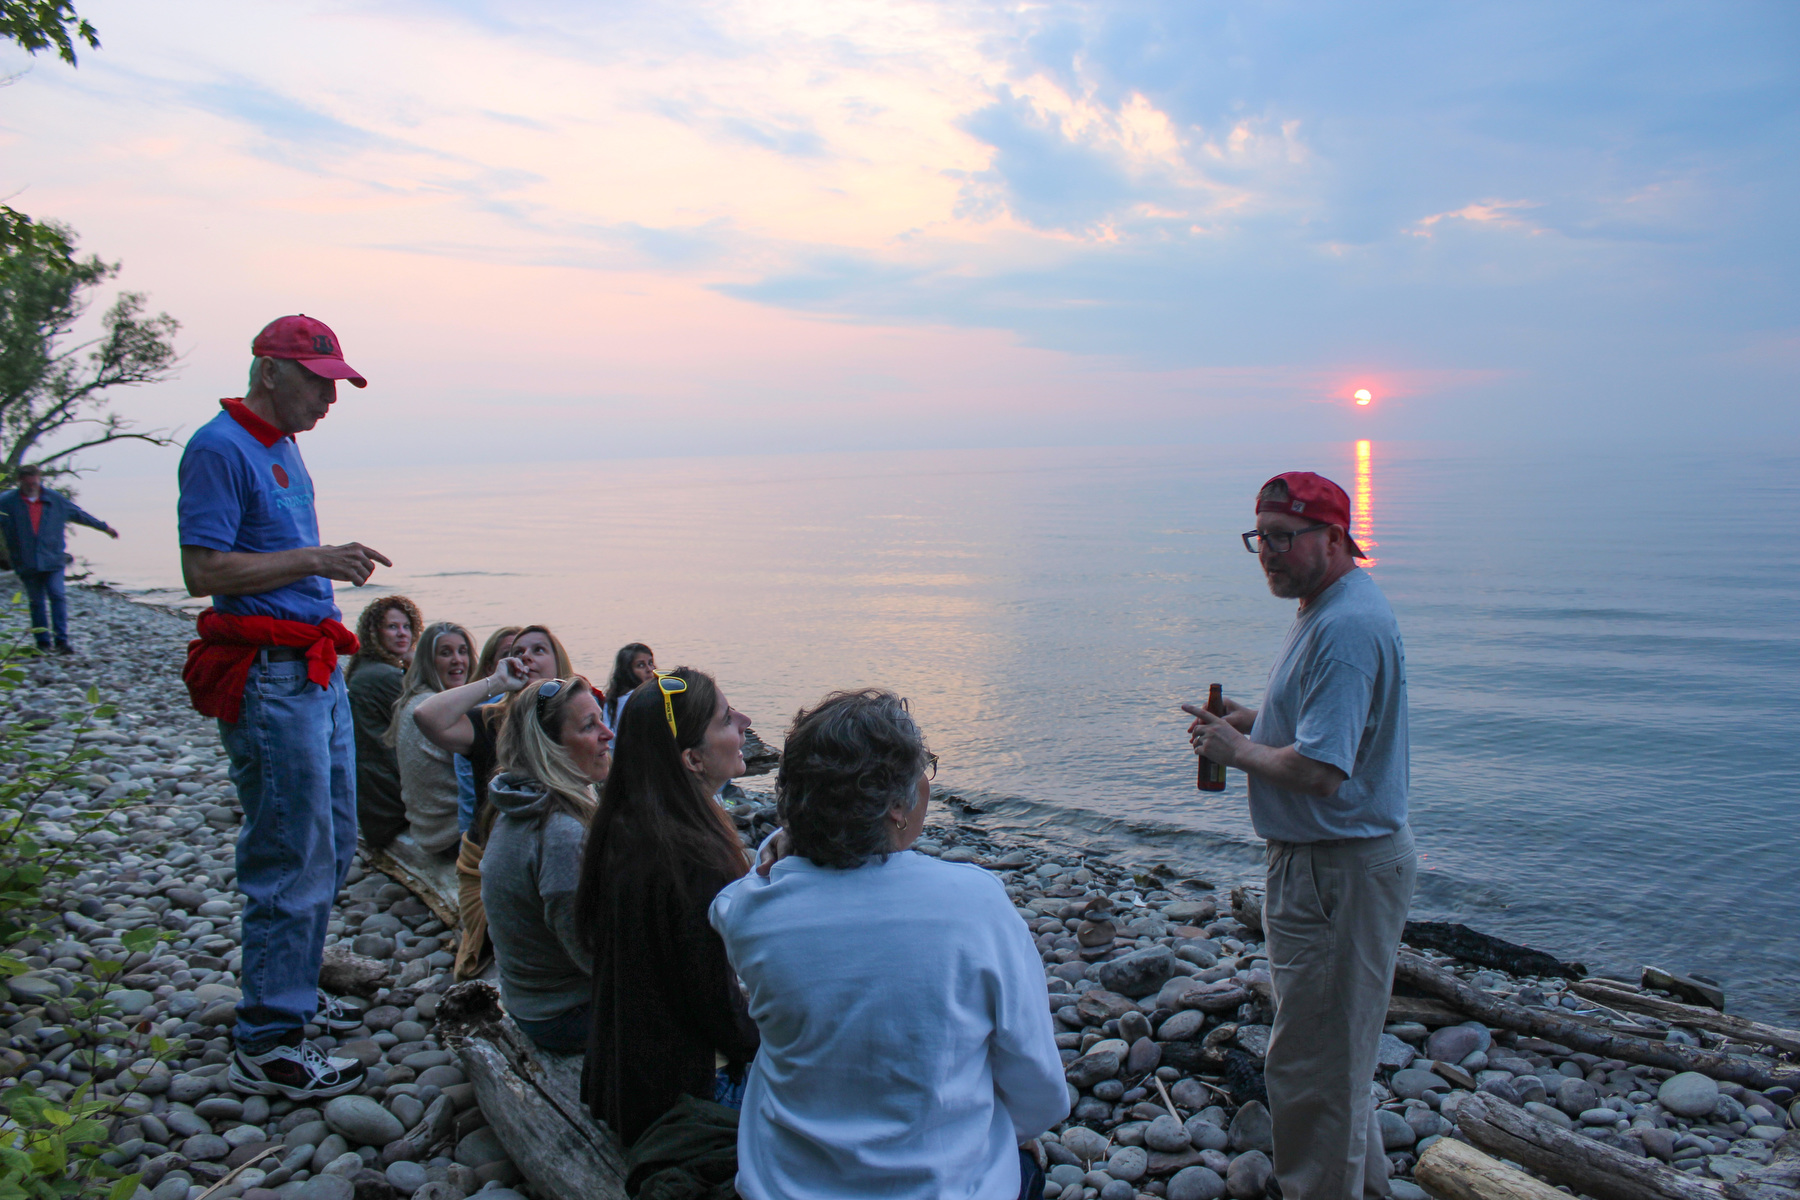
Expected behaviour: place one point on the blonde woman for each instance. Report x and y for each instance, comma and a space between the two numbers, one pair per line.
553, 750
427, 774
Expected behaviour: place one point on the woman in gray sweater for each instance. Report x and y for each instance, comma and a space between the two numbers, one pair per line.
553, 749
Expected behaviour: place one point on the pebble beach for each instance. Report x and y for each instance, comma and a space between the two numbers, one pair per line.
1159, 991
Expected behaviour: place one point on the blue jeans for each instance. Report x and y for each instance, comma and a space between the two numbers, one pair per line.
293, 759
39, 587
565, 1033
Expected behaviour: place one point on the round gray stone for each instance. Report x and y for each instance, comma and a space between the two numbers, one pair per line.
1396, 1134
1196, 1183
1166, 1134
1414, 1082
1117, 1189
1128, 1163
1576, 1096
1204, 1135
1251, 1128
363, 1121
1083, 1143
325, 1187
479, 1148
405, 1177
1453, 1043
1249, 1175
1689, 1094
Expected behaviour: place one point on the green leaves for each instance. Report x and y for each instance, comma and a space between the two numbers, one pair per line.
140, 941
43, 24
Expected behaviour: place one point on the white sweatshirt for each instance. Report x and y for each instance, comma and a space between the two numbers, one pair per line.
907, 1045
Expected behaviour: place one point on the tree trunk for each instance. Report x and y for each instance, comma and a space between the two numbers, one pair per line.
1453, 1170
1594, 1040
532, 1099
1692, 1015
1582, 1163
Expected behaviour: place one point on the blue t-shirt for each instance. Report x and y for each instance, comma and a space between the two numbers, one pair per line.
1337, 694
241, 496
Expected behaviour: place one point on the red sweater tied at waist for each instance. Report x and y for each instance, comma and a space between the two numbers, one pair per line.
219, 660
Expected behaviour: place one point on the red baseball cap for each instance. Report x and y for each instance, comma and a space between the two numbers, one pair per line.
307, 342
1314, 496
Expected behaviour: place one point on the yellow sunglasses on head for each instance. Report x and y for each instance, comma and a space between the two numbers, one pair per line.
670, 686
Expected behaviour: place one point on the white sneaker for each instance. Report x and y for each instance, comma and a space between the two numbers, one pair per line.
298, 1070
336, 1016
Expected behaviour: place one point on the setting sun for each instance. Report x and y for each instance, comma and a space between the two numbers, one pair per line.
1362, 396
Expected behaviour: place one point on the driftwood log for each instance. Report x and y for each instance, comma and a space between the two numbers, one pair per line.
1692, 1015
532, 1099
1422, 1010
1589, 1038
1485, 950
1780, 1180
1453, 1170
1582, 1163
430, 877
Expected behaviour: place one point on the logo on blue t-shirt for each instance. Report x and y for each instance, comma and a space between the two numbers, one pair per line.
281, 475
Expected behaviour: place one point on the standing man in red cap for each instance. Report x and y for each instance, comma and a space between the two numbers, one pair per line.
1327, 761
265, 665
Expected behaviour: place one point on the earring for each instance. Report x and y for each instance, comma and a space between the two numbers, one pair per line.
899, 823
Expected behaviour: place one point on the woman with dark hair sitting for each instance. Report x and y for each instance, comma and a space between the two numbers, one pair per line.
553, 750
635, 663
666, 1007
386, 633
907, 1048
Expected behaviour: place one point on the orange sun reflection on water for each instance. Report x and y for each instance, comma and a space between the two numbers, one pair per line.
1362, 507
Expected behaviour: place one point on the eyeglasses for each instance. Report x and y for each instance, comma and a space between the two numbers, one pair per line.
931, 762
670, 686
547, 691
1279, 541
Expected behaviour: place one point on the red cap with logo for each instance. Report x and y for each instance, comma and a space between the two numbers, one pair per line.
1313, 496
307, 342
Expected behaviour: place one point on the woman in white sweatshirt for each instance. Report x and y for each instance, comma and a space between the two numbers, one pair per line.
907, 1046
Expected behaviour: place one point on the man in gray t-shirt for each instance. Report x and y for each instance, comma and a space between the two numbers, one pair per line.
1327, 762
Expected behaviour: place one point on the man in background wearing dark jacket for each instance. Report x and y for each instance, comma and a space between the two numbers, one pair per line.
32, 519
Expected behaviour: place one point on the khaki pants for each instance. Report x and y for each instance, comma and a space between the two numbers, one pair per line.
1333, 914
473, 950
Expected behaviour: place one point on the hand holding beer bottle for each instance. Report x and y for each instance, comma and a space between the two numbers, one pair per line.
1212, 774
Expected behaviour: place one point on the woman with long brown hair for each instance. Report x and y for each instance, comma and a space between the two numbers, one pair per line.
666, 1005
386, 633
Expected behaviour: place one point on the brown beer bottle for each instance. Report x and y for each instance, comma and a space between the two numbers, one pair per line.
1212, 774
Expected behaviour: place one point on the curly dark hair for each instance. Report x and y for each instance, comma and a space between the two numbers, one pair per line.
367, 625
847, 764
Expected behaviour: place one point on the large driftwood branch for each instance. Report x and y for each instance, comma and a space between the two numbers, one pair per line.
1594, 1040
532, 1099
430, 877
1780, 1180
1693, 1015
1485, 950
1584, 1164
1453, 1170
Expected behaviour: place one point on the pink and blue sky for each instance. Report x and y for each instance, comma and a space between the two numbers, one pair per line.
569, 231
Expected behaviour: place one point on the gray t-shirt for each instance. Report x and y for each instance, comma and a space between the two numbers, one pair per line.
1337, 694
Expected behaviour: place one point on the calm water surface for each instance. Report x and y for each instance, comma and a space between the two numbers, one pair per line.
1603, 647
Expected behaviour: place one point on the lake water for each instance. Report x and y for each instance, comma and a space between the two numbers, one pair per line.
1603, 646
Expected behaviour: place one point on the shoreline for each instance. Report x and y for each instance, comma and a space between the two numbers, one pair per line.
1167, 970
